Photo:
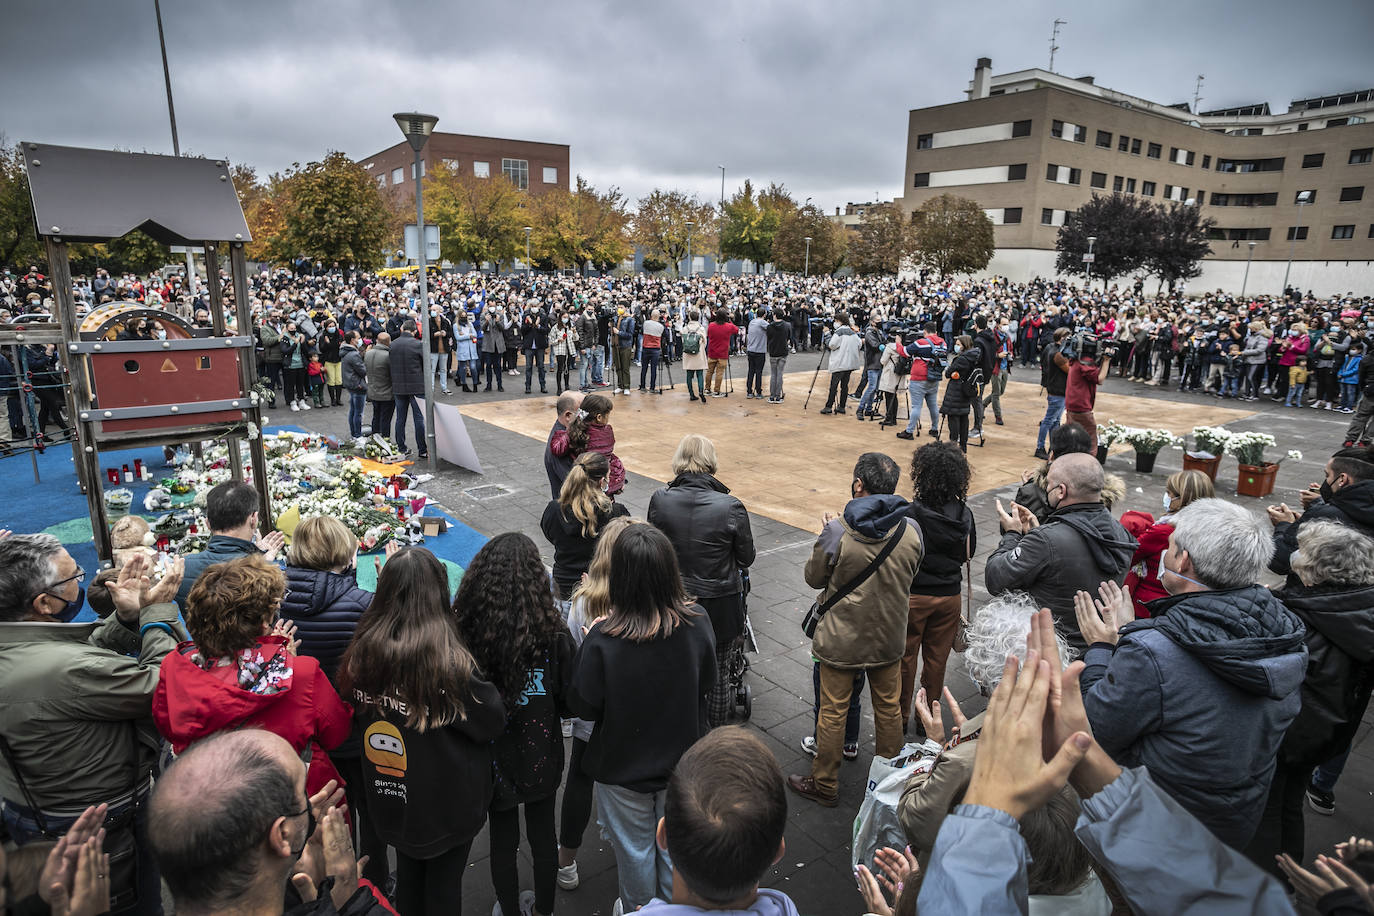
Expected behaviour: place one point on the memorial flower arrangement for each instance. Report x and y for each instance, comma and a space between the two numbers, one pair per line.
1148, 441
1111, 432
1249, 447
1211, 440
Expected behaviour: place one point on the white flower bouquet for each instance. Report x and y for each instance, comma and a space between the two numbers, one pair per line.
1111, 432
1210, 441
1150, 440
1249, 447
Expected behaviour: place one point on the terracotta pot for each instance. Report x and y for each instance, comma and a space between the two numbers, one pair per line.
1256, 480
1208, 466
1145, 461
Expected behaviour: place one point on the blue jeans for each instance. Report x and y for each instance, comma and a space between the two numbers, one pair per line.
1324, 777
411, 401
648, 366
870, 390
629, 821
1294, 392
534, 358
1053, 412
465, 367
856, 704
356, 402
923, 391
1350, 393
1230, 386
591, 367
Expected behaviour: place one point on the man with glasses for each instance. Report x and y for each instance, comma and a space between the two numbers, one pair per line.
75, 720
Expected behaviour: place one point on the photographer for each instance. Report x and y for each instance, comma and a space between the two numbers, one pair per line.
927, 353
1085, 372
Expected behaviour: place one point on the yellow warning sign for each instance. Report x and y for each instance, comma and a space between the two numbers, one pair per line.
168, 365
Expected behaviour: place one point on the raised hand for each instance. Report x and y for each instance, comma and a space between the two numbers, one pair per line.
167, 586
1096, 623
270, 544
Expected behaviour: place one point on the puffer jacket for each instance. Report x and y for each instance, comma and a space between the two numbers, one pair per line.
956, 401
1352, 505
354, 369
1200, 695
407, 367
949, 537
377, 363
1255, 347
844, 349
325, 607
867, 628
1076, 549
710, 531
1340, 670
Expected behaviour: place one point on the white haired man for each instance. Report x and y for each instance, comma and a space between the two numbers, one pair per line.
1202, 692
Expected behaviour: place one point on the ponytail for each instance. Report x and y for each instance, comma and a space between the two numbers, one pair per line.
583, 496
593, 406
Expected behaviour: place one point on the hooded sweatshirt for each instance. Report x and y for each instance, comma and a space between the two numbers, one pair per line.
767, 903
263, 686
1201, 695
867, 627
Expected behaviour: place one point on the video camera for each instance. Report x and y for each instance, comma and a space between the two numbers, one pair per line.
1083, 343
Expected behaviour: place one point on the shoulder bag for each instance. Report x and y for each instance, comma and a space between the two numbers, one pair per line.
817, 610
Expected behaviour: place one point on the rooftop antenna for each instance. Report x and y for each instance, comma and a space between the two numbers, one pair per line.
1054, 36
1197, 92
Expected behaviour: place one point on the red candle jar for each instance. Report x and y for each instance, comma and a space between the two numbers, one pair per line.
112, 475
138, 468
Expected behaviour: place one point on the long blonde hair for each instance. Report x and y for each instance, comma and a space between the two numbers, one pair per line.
583, 495
595, 591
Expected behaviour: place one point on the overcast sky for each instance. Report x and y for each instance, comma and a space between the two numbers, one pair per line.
812, 93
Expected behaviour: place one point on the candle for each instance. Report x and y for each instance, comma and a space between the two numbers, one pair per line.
128, 475
112, 475
138, 466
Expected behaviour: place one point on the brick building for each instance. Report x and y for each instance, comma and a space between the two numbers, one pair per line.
530, 165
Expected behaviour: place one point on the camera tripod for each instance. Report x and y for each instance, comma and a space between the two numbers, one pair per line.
825, 353
668, 367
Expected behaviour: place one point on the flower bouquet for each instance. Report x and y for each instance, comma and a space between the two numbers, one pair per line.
1211, 444
1147, 443
1106, 435
117, 502
1256, 476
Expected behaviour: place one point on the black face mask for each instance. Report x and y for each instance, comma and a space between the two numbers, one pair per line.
309, 828
1326, 491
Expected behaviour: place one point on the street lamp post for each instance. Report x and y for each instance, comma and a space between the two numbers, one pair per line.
722, 185
806, 269
689, 249
1089, 257
1304, 198
528, 230
1248, 259
417, 127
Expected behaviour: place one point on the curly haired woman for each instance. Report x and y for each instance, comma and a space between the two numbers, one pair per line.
508, 619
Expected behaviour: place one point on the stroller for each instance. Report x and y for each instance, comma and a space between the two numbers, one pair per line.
738, 662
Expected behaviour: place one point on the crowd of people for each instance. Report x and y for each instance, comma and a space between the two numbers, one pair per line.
252, 732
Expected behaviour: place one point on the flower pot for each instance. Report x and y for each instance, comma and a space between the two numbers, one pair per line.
1102, 451
1145, 461
1256, 480
1207, 466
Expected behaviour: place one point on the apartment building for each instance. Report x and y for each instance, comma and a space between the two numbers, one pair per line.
530, 165
1033, 146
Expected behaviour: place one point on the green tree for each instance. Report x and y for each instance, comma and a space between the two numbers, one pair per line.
19, 245
661, 227
827, 242
333, 211
1124, 228
884, 239
751, 223
952, 235
1180, 243
480, 220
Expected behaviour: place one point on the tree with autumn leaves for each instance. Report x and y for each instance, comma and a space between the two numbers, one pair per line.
667, 220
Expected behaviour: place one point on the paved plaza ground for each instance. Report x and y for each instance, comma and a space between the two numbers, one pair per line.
815, 871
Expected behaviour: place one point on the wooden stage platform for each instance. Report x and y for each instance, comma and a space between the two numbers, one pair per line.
793, 465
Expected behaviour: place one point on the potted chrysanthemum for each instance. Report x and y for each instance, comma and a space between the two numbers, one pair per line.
1210, 444
1147, 444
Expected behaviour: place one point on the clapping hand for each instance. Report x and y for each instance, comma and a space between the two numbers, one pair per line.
287, 628
1099, 620
388, 552
1280, 514
270, 544
329, 854
64, 862
1327, 875
896, 868
930, 717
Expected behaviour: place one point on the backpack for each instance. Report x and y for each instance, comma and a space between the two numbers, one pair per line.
902, 365
691, 342
973, 382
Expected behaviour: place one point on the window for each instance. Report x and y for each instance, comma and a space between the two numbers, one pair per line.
1302, 126
1189, 160
450, 164
1313, 160
1371, 230
1015, 172
1075, 176
1098, 180
1011, 215
1147, 188
1154, 150
422, 169
481, 169
1047, 217
922, 180
1245, 200
1297, 233
1311, 197
1183, 194
1117, 183
924, 140
1250, 165
1201, 198
1361, 156
518, 171
1238, 235
1080, 133
1168, 191
550, 175
1057, 129
1173, 154
1348, 194
381, 180
1051, 172
1130, 185
1135, 147
1337, 122
1206, 162
398, 176
1020, 128
1123, 144
1342, 232
1104, 139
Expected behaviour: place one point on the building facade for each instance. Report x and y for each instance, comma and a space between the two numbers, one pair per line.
1033, 146
530, 165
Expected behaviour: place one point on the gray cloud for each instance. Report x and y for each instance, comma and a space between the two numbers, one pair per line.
813, 94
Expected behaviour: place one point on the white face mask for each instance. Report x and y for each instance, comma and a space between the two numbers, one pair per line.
1168, 500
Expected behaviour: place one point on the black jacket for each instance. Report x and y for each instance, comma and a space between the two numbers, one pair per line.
950, 538
709, 529
354, 376
1054, 377
779, 337
572, 551
329, 346
438, 344
956, 400
557, 467
325, 608
873, 349
989, 342
527, 762
1340, 670
1352, 505
407, 367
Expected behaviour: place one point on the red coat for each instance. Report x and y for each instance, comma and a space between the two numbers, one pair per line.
1153, 540
191, 703
718, 338
600, 438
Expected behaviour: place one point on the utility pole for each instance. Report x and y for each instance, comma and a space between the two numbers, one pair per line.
176, 144
1054, 37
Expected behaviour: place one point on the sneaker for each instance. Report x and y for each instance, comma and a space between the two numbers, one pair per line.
304, 406
526, 905
1042, 454
808, 745
1323, 803
975, 434
851, 752
618, 909
567, 877
999, 422
294, 406
905, 435
826, 411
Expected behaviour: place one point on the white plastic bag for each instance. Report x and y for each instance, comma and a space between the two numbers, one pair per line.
876, 825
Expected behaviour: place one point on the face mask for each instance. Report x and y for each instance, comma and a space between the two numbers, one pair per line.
1168, 500
73, 607
1326, 491
1164, 569
309, 829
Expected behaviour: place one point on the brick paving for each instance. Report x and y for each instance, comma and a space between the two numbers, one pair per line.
815, 870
